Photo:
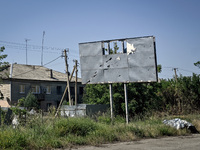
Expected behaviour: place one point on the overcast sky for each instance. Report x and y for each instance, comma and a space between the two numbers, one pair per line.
174, 23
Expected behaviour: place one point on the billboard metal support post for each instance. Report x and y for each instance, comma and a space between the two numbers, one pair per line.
111, 102
126, 101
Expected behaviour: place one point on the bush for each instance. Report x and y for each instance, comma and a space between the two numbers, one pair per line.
76, 126
12, 139
31, 101
21, 102
18, 111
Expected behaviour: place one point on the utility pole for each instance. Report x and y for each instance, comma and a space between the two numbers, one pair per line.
67, 72
175, 73
26, 40
42, 48
64, 93
76, 74
179, 100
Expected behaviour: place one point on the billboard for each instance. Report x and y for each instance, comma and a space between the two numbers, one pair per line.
136, 62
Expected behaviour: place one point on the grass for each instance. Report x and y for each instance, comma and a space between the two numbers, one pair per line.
67, 132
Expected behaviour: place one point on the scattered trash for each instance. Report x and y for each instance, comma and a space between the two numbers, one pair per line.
15, 122
180, 124
32, 112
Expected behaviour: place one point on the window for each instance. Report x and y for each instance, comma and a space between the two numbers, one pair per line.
21, 88
48, 89
35, 89
59, 90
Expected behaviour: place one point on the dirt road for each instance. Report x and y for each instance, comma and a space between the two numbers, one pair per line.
191, 142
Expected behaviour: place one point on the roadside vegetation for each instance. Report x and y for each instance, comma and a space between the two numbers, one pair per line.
149, 104
49, 133
172, 97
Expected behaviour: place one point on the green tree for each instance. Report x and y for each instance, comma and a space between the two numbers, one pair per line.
197, 64
113, 51
159, 68
3, 66
142, 97
31, 101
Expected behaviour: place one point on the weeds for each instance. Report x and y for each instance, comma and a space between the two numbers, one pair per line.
66, 132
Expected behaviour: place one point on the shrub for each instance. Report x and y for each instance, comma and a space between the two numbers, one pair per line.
12, 139
76, 126
21, 102
31, 101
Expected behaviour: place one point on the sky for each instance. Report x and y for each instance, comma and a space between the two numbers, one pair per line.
174, 23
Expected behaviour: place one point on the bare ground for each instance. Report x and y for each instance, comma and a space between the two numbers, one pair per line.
191, 142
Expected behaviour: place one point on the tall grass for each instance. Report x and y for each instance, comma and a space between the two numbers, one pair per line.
66, 132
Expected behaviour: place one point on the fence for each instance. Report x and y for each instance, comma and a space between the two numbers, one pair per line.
82, 110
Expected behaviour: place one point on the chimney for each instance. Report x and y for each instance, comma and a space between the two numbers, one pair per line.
51, 73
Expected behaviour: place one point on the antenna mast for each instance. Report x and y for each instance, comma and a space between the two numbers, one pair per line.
42, 48
26, 40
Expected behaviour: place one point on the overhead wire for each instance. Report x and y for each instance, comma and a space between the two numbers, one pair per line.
36, 48
179, 70
37, 68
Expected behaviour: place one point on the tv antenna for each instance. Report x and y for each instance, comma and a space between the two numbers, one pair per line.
26, 40
42, 48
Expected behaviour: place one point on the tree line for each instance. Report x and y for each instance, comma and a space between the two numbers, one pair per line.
181, 96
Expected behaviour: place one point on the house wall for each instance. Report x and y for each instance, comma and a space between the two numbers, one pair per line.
47, 99
5, 89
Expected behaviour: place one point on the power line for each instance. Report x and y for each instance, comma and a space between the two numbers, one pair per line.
52, 61
179, 69
35, 46
37, 68
24, 48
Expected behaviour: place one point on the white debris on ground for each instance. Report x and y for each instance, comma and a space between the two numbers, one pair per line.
32, 112
15, 122
177, 123
180, 124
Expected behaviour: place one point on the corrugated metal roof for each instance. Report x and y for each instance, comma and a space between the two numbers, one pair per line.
34, 72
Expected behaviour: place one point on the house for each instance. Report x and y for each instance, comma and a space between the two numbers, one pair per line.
46, 84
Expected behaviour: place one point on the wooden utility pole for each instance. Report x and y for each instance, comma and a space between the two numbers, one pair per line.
76, 74
175, 73
179, 100
61, 101
67, 72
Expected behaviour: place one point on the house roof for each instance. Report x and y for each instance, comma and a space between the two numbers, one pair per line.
34, 72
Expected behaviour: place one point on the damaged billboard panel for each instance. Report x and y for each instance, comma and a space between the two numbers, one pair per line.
119, 61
